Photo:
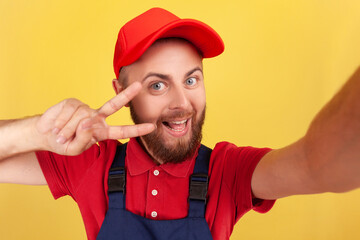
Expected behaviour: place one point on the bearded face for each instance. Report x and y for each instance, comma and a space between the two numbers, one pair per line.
172, 98
179, 148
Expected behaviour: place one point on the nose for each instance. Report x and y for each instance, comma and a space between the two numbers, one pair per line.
179, 99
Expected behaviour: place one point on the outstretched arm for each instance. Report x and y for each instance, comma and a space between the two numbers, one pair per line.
326, 159
68, 128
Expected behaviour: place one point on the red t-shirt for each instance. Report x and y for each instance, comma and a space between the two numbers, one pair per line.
150, 188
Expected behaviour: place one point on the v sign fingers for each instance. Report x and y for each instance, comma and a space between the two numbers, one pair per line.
71, 126
120, 100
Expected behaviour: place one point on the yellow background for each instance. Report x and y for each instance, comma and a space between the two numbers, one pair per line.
283, 61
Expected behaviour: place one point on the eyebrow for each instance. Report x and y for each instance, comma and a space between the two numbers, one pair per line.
159, 75
167, 77
192, 71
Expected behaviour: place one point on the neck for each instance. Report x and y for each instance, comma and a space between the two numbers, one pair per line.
148, 151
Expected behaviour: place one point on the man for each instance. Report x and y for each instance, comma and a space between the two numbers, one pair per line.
158, 64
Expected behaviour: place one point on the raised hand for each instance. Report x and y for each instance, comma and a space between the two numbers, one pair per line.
70, 127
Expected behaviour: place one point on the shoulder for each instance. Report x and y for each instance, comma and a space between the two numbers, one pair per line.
229, 161
64, 174
233, 167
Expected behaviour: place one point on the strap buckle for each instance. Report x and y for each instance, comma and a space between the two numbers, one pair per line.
198, 186
116, 180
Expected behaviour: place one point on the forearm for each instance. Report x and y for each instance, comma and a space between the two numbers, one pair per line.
19, 136
332, 143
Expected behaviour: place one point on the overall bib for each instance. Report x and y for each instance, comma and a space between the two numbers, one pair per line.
122, 224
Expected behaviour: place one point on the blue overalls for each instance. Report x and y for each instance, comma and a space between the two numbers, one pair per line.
122, 224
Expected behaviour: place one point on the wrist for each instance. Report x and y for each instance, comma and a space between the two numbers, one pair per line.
36, 139
19, 136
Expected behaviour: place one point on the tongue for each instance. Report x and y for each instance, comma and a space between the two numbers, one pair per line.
177, 126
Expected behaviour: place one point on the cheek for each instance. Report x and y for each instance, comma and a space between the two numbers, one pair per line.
199, 100
147, 108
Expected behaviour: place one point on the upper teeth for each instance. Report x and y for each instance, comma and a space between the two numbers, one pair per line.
179, 122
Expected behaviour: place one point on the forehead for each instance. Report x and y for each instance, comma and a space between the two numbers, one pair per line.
166, 55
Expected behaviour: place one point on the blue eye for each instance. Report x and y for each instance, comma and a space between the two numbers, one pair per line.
157, 86
191, 81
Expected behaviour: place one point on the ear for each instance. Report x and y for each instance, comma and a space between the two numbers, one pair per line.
118, 88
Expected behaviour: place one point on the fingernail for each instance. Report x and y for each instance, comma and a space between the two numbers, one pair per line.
61, 139
55, 131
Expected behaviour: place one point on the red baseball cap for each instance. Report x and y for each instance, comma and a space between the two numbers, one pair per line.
139, 33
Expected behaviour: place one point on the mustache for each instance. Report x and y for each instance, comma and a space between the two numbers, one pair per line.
175, 115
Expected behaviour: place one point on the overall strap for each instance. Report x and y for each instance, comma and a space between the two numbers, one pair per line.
117, 179
199, 181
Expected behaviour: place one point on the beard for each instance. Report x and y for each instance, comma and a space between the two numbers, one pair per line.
158, 148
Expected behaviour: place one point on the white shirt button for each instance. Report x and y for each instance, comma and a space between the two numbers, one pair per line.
154, 214
154, 192
156, 172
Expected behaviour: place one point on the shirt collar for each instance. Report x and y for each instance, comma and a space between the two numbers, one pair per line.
138, 162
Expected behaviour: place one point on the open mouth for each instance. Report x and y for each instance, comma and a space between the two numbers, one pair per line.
176, 126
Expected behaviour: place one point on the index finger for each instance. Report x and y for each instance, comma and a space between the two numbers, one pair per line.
120, 100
